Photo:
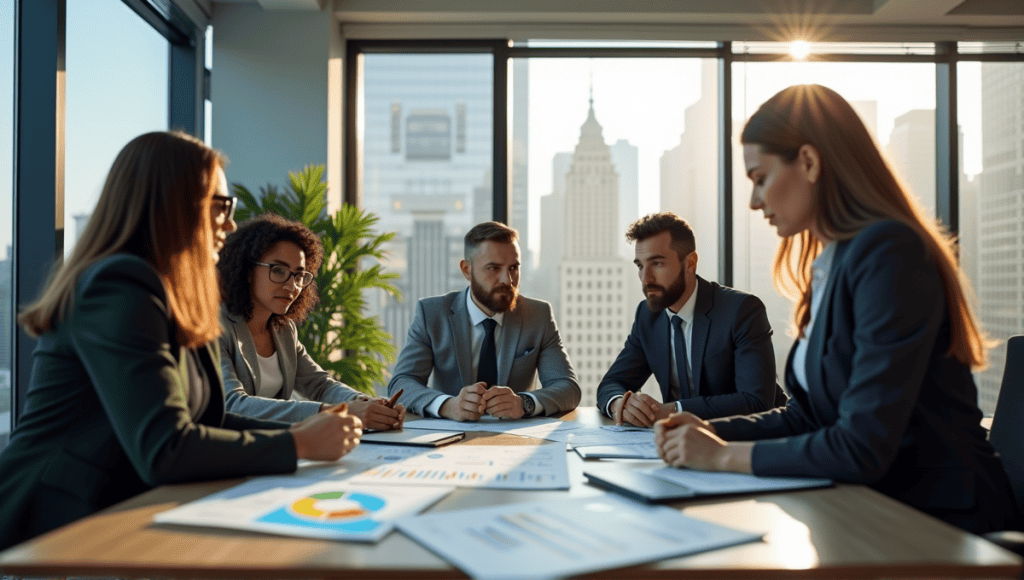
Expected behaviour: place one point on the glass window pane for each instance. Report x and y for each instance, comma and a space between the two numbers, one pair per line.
117, 88
896, 102
6, 212
992, 205
427, 149
895, 48
597, 143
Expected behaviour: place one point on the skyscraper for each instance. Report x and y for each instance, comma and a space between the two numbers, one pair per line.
427, 167
689, 172
1000, 283
625, 157
912, 152
545, 281
594, 312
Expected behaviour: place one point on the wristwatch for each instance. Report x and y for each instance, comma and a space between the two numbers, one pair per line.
529, 406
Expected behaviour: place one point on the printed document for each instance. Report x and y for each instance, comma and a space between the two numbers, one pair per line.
554, 539
294, 506
493, 466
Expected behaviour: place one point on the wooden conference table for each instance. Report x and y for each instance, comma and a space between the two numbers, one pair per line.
848, 531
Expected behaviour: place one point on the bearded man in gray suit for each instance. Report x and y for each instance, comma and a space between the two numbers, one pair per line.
478, 351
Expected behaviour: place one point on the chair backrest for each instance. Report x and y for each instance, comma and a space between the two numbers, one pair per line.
1007, 434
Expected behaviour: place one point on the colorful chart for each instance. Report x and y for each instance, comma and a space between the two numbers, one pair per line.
332, 510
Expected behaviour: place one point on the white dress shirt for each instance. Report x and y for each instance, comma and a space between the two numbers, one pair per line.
477, 317
820, 269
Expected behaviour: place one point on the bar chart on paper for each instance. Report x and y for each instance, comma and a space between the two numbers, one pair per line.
493, 466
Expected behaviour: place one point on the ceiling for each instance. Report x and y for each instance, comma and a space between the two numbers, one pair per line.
837, 20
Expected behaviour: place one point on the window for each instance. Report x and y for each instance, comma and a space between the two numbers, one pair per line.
896, 102
6, 213
106, 107
992, 205
426, 167
597, 143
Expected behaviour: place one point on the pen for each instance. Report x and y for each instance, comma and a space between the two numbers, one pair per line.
394, 399
340, 407
622, 408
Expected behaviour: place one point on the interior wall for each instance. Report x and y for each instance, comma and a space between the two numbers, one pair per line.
270, 91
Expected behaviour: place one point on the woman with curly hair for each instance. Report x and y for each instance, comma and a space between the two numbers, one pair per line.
266, 270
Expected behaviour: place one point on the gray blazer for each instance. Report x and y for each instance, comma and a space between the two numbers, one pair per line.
241, 371
440, 346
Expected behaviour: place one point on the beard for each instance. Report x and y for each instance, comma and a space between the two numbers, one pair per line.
500, 299
668, 297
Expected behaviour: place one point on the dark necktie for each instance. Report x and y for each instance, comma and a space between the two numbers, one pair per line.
487, 369
682, 360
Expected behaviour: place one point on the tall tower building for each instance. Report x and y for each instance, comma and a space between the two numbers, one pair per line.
1000, 283
429, 256
594, 311
519, 217
912, 153
626, 157
689, 172
552, 233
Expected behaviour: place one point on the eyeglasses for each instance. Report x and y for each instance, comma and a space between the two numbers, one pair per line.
225, 205
279, 274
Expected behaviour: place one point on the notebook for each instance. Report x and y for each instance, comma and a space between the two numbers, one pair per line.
415, 438
667, 484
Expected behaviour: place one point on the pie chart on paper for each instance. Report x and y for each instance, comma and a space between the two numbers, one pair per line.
332, 510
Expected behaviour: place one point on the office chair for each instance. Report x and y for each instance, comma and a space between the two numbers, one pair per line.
1007, 436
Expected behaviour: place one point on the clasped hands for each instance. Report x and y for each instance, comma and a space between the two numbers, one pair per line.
476, 400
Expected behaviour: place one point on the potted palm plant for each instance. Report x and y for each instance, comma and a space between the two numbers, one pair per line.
338, 334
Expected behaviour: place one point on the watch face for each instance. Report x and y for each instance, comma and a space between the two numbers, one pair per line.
528, 405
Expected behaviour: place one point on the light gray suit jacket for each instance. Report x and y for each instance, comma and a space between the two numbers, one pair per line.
440, 348
241, 371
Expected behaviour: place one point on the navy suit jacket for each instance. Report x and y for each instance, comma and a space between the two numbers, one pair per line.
731, 355
884, 405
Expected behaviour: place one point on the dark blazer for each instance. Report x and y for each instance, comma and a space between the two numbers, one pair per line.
885, 406
240, 369
107, 411
731, 356
437, 356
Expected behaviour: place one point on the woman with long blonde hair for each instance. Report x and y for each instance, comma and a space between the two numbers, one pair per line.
879, 378
126, 392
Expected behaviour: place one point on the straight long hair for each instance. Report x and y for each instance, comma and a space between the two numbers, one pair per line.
155, 204
857, 188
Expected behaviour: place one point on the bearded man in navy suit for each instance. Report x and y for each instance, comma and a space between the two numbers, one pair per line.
708, 346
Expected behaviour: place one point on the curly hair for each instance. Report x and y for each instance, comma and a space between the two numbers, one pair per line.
247, 245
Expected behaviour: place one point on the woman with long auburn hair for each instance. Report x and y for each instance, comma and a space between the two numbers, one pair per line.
126, 392
879, 378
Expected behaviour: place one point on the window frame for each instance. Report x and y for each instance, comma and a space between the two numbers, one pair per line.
38, 144
945, 58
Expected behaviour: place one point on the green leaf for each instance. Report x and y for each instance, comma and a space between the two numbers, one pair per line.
338, 334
